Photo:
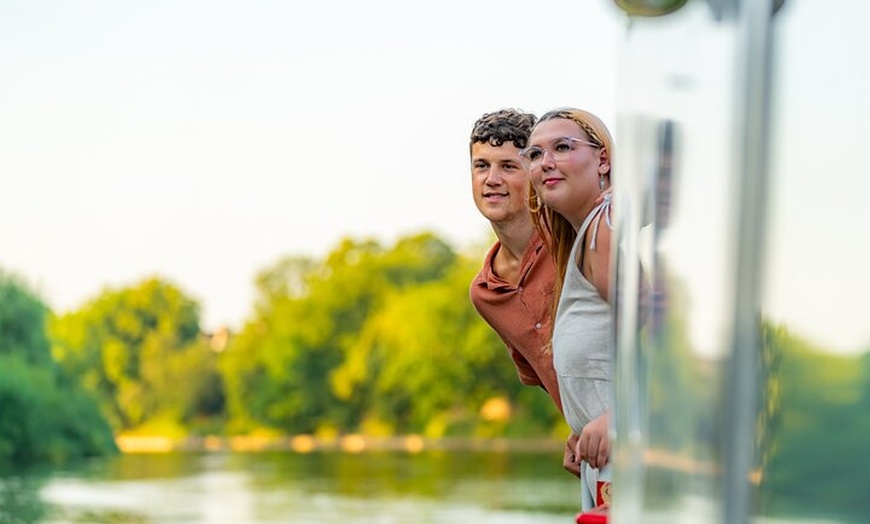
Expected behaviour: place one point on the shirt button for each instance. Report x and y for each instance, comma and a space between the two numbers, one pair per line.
538, 325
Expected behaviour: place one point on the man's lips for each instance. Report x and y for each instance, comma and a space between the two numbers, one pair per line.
494, 196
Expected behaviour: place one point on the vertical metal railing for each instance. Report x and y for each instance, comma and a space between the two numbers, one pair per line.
752, 139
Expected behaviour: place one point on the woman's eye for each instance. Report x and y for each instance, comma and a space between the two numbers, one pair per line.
534, 154
563, 146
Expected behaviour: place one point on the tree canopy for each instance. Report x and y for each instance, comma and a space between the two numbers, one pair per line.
44, 415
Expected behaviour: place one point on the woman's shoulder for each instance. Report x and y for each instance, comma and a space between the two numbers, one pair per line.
598, 243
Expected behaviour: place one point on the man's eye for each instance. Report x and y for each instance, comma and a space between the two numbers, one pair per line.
479, 165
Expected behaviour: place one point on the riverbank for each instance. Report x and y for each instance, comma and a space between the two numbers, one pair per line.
346, 443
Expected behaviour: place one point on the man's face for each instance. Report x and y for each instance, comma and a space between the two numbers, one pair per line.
499, 182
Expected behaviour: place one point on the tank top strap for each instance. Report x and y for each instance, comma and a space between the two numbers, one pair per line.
594, 217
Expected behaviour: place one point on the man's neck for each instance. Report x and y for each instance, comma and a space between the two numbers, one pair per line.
514, 238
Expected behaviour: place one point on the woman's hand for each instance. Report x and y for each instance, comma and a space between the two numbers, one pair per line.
593, 446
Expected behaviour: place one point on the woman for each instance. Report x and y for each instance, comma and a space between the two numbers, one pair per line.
569, 157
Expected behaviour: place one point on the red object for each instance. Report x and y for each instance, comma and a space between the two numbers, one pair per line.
596, 515
602, 493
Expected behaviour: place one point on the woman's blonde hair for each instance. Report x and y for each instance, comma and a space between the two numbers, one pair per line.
555, 229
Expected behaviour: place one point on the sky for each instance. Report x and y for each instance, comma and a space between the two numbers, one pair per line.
814, 278
203, 141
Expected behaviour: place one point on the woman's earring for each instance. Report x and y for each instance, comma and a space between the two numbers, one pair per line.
602, 184
537, 201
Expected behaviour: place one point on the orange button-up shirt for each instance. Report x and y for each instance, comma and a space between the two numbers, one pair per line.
520, 313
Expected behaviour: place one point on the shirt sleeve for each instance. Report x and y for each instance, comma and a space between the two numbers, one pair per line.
526, 372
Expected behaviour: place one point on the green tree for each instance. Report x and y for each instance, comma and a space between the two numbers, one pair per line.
425, 360
367, 334
44, 415
816, 448
140, 350
46, 419
22, 322
275, 368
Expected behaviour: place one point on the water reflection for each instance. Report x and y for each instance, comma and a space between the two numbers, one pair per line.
19, 498
382, 487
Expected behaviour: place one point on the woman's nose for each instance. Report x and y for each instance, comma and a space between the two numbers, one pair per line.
547, 158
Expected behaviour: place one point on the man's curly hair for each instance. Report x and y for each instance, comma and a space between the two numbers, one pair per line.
505, 125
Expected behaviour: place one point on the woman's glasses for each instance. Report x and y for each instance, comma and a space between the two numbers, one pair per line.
560, 150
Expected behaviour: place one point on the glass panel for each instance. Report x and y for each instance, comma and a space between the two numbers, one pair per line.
675, 169
715, 326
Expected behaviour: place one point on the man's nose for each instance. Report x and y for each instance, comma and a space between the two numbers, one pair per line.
494, 176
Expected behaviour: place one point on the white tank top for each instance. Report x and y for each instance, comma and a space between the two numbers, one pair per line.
582, 335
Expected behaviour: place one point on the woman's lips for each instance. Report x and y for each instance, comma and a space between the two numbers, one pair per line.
549, 182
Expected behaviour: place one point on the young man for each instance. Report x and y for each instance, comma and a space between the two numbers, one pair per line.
513, 291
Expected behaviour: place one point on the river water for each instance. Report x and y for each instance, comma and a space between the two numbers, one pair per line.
286, 487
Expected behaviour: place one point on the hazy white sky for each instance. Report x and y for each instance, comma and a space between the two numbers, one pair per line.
203, 140
816, 279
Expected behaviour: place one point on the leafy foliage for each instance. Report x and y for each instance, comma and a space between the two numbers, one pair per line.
44, 416
370, 338
140, 351
22, 321
44, 419
818, 437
